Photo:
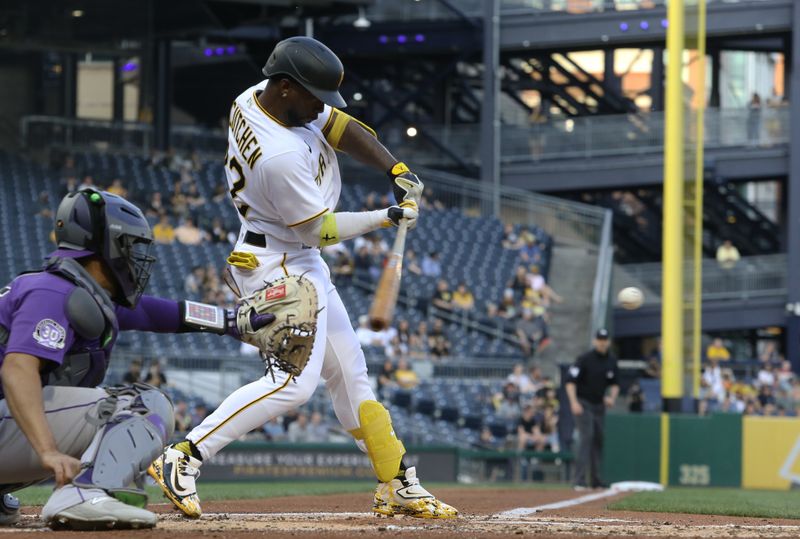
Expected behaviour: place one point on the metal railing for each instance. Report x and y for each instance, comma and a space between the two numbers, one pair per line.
751, 277
596, 136
409, 10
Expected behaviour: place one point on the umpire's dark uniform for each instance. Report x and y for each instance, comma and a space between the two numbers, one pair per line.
588, 379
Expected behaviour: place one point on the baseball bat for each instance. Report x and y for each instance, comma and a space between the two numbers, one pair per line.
382, 310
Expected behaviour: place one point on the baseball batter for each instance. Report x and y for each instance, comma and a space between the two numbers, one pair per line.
283, 175
58, 326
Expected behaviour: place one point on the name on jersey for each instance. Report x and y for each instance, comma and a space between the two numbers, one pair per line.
246, 140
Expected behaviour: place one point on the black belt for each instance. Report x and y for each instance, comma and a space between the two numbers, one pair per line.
259, 240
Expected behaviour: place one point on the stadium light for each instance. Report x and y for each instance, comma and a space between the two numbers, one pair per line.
644, 25
357, 96
77, 13
411, 131
362, 21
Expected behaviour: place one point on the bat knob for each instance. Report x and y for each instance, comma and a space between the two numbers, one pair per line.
377, 324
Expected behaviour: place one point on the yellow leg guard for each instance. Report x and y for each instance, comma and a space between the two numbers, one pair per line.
385, 451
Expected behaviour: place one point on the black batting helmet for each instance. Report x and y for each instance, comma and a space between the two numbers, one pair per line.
311, 64
113, 228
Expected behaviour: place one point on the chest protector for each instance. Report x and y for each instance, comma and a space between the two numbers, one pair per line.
91, 314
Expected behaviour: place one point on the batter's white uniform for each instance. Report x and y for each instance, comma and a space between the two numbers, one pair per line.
282, 177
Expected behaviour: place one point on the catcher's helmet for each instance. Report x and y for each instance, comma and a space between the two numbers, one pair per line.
113, 228
311, 64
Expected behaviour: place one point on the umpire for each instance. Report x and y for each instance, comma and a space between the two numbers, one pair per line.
586, 385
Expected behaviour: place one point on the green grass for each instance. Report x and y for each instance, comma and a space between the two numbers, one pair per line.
209, 490
715, 501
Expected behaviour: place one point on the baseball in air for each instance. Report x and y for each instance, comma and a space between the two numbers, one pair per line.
630, 298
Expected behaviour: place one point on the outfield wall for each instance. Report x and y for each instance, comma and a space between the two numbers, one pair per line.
722, 450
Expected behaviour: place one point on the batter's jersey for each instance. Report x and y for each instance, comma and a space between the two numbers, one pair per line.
279, 176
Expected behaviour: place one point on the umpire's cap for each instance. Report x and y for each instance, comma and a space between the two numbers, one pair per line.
311, 64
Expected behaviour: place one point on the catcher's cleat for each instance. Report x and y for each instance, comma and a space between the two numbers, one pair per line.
405, 496
100, 513
9, 510
175, 472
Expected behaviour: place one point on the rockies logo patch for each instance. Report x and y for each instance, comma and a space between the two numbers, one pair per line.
50, 334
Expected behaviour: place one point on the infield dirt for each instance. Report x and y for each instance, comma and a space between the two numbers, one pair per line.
347, 516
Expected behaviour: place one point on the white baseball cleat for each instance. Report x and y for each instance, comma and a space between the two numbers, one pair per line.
405, 496
175, 472
100, 513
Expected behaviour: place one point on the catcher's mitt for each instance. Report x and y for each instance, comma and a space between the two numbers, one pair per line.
287, 342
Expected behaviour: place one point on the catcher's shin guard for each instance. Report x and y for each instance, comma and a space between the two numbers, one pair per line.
385, 451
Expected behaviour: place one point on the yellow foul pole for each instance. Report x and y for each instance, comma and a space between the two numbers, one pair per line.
672, 279
697, 310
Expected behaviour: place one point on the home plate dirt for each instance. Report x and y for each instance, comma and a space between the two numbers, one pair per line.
485, 513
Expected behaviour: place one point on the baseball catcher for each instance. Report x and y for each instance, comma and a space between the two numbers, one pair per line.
58, 326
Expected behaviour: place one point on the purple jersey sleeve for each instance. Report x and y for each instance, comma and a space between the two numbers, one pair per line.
39, 326
151, 314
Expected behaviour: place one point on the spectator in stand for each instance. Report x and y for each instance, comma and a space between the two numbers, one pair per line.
179, 202
134, 373
193, 198
403, 335
653, 368
220, 194
45, 208
317, 429
188, 234
531, 333
766, 376
69, 185
511, 240
635, 399
363, 262
155, 206
786, 376
431, 265
218, 233
299, 431
508, 306
462, 298
429, 201
519, 282
537, 379
535, 279
770, 353
712, 376
441, 347
386, 378
716, 350
183, 419
163, 231
506, 403
193, 282
343, 265
531, 252
529, 434
405, 377
418, 343
117, 188
727, 255
273, 430
548, 426
154, 376
443, 297
411, 264
520, 379
199, 413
